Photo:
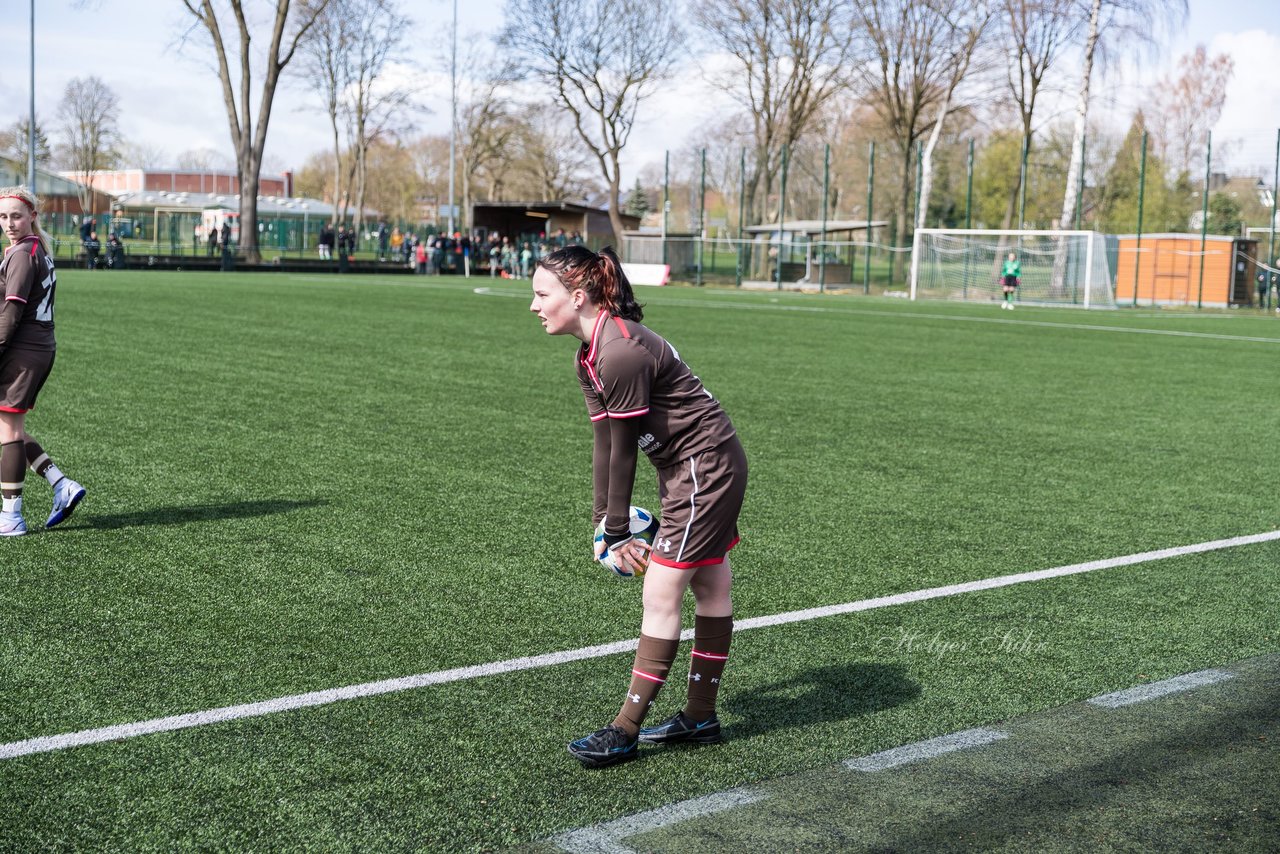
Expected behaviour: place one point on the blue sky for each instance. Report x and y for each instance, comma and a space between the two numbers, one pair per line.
170, 96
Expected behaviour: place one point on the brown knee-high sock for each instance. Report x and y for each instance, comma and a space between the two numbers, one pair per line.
653, 663
711, 638
13, 471
40, 462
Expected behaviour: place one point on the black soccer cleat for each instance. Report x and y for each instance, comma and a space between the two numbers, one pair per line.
678, 729
604, 747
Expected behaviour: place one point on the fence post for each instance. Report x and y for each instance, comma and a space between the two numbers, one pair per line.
702, 216
742, 199
782, 213
871, 181
1137, 255
666, 200
822, 251
968, 215
1271, 246
1204, 213
1022, 184
1080, 186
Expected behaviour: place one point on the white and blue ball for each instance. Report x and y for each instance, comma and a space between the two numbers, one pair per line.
644, 526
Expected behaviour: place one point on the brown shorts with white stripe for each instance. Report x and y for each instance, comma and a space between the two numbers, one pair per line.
22, 374
701, 498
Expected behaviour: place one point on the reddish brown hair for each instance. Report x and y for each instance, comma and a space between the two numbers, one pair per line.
601, 276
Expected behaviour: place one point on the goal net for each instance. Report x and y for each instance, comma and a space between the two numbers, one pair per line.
1062, 268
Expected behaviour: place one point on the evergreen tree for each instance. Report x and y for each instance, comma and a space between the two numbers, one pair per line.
637, 201
1224, 215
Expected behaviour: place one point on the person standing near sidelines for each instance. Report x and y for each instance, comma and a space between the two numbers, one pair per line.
26, 357
640, 395
1010, 278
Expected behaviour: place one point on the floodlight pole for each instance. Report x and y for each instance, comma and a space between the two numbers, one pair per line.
453, 118
31, 122
1204, 213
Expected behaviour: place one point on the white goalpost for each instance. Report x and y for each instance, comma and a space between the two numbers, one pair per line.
1059, 268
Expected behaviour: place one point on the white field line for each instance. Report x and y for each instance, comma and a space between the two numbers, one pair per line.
604, 838
922, 750
45, 744
911, 315
1142, 693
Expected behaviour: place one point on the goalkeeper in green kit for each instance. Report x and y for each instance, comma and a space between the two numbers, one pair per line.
1010, 278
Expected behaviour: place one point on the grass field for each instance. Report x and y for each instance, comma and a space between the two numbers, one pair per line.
299, 483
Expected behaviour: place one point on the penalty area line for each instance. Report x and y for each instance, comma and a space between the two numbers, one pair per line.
120, 732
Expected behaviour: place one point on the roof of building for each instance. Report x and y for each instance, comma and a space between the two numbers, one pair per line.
267, 205
13, 173
816, 226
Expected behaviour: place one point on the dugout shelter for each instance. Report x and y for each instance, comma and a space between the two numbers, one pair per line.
521, 221
1166, 270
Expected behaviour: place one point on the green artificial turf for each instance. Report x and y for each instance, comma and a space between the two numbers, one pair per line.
303, 482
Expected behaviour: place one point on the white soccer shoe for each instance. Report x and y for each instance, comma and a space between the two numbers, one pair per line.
66, 495
12, 525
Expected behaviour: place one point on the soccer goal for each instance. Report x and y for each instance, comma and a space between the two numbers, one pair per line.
1058, 268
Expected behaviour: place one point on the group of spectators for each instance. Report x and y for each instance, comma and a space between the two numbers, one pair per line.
93, 248
435, 253
515, 259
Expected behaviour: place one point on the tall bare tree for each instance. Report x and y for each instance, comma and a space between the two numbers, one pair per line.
374, 108
600, 59
1133, 23
89, 115
291, 20
485, 124
553, 165
326, 61
966, 22
905, 81
790, 58
1036, 32
1189, 105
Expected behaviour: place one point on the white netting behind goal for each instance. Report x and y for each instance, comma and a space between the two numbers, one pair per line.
1066, 268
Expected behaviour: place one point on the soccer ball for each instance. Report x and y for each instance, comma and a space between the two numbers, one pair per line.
644, 526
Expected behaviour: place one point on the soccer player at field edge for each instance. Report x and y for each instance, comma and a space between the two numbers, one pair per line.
640, 395
1010, 278
26, 357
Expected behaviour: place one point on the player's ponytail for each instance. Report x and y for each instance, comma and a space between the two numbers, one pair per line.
616, 289
25, 196
600, 276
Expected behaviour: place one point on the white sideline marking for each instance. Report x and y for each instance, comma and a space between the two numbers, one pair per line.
604, 838
939, 746
1141, 693
912, 315
47, 743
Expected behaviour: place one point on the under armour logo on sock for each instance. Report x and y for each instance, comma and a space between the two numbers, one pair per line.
696, 677
635, 698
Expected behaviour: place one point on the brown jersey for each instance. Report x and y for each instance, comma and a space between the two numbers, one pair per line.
28, 277
629, 371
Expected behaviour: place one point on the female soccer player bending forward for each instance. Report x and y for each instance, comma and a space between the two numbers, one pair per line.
26, 357
641, 395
